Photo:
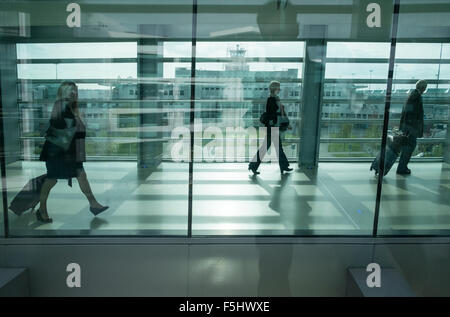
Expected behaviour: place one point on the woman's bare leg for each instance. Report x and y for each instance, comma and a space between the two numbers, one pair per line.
45, 191
86, 189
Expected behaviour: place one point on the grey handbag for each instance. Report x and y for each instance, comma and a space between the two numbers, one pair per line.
61, 137
283, 122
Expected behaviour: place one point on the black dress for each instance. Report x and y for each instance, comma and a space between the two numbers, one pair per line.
65, 164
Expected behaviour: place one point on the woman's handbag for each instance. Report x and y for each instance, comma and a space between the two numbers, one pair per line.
264, 119
283, 122
61, 137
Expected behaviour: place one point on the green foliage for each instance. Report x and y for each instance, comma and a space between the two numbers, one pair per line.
110, 149
345, 147
437, 151
351, 155
346, 131
31, 134
374, 131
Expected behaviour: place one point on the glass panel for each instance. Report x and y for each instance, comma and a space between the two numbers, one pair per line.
252, 49
351, 126
418, 203
121, 64
230, 96
353, 99
72, 50
360, 50
131, 64
241, 48
2, 222
78, 70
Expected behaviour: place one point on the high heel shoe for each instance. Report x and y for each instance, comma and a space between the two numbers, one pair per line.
255, 172
42, 219
286, 169
96, 211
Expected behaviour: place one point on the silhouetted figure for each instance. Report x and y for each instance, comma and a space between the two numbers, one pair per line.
273, 109
65, 162
411, 123
277, 20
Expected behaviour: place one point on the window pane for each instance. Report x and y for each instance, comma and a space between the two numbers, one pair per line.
230, 97
417, 203
77, 71
77, 50
358, 50
356, 71
353, 99
252, 49
134, 107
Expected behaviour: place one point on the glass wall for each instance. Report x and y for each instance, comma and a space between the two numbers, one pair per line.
230, 97
415, 196
353, 99
105, 88
2, 222
166, 99
286, 41
109, 71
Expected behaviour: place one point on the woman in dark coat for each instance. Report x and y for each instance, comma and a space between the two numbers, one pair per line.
273, 109
62, 164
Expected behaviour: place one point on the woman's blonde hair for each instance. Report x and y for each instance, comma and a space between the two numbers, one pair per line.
60, 95
274, 85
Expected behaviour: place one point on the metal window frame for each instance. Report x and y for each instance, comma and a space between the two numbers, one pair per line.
189, 238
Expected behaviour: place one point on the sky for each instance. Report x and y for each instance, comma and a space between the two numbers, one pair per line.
221, 49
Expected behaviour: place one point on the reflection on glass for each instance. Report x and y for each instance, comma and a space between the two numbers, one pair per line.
71, 50
353, 99
2, 224
79, 70
361, 50
64, 150
130, 100
415, 194
231, 95
133, 71
427, 65
252, 49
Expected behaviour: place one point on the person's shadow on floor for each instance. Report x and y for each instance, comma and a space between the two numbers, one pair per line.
294, 210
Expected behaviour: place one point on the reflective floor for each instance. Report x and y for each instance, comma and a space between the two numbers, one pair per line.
338, 199
418, 203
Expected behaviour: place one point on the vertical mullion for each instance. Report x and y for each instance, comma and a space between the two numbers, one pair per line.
192, 112
3, 166
386, 114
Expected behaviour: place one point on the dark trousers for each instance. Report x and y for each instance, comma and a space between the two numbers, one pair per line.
407, 151
282, 159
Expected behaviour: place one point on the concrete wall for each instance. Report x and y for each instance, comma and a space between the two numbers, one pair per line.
2, 255
426, 267
222, 269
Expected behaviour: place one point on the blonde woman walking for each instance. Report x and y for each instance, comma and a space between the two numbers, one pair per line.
274, 109
65, 161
